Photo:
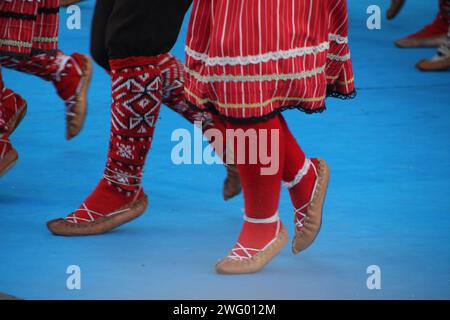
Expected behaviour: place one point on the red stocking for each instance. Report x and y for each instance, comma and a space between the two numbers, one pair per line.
137, 94
261, 192
299, 174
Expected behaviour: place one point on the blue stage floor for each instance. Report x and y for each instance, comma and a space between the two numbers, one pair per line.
388, 202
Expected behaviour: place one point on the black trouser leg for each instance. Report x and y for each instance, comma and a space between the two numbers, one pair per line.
123, 28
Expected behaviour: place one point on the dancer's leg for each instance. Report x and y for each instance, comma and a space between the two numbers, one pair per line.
441, 60
136, 100
34, 25
172, 72
307, 181
298, 174
432, 35
262, 235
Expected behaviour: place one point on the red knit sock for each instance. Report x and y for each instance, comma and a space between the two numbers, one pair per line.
137, 94
172, 73
62, 70
261, 192
439, 27
299, 174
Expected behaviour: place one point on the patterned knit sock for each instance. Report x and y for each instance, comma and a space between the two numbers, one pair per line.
62, 70
299, 174
261, 192
137, 94
172, 74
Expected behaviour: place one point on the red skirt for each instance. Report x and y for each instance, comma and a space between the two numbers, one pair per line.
250, 59
28, 27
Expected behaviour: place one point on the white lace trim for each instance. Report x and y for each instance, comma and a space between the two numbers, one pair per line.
335, 57
255, 78
337, 38
265, 57
255, 59
300, 174
271, 219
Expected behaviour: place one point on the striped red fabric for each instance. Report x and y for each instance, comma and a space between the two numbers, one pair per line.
250, 59
28, 27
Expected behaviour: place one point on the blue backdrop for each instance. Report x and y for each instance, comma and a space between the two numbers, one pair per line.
388, 202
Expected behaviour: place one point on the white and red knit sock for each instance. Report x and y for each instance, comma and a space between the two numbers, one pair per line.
136, 101
172, 74
62, 70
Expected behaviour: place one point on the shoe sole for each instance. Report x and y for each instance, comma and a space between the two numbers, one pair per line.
420, 43
8, 161
298, 244
81, 103
428, 66
257, 262
62, 227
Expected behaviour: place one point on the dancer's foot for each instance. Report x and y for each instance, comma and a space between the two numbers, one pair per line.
394, 9
72, 83
260, 240
15, 110
105, 209
432, 35
435, 64
8, 156
308, 216
232, 184
440, 62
